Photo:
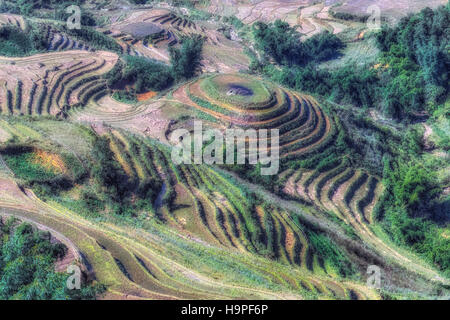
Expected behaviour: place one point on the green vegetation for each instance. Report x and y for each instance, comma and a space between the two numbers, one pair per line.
410, 210
362, 179
331, 253
413, 76
417, 59
15, 42
234, 21
27, 259
107, 172
186, 60
21, 161
349, 17
31, 7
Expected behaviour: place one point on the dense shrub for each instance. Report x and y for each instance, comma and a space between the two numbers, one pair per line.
27, 272
282, 43
408, 208
29, 7
94, 38
412, 76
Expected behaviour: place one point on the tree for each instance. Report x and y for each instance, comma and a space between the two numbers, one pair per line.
107, 172
144, 73
279, 41
186, 60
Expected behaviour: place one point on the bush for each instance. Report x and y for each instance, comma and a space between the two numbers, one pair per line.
107, 172
144, 73
416, 51
20, 161
28, 8
94, 38
27, 272
282, 43
408, 207
186, 60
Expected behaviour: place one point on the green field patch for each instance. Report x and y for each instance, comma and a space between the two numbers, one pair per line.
22, 161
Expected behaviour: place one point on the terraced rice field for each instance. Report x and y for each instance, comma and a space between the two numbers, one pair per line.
305, 130
199, 213
205, 233
313, 17
50, 84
